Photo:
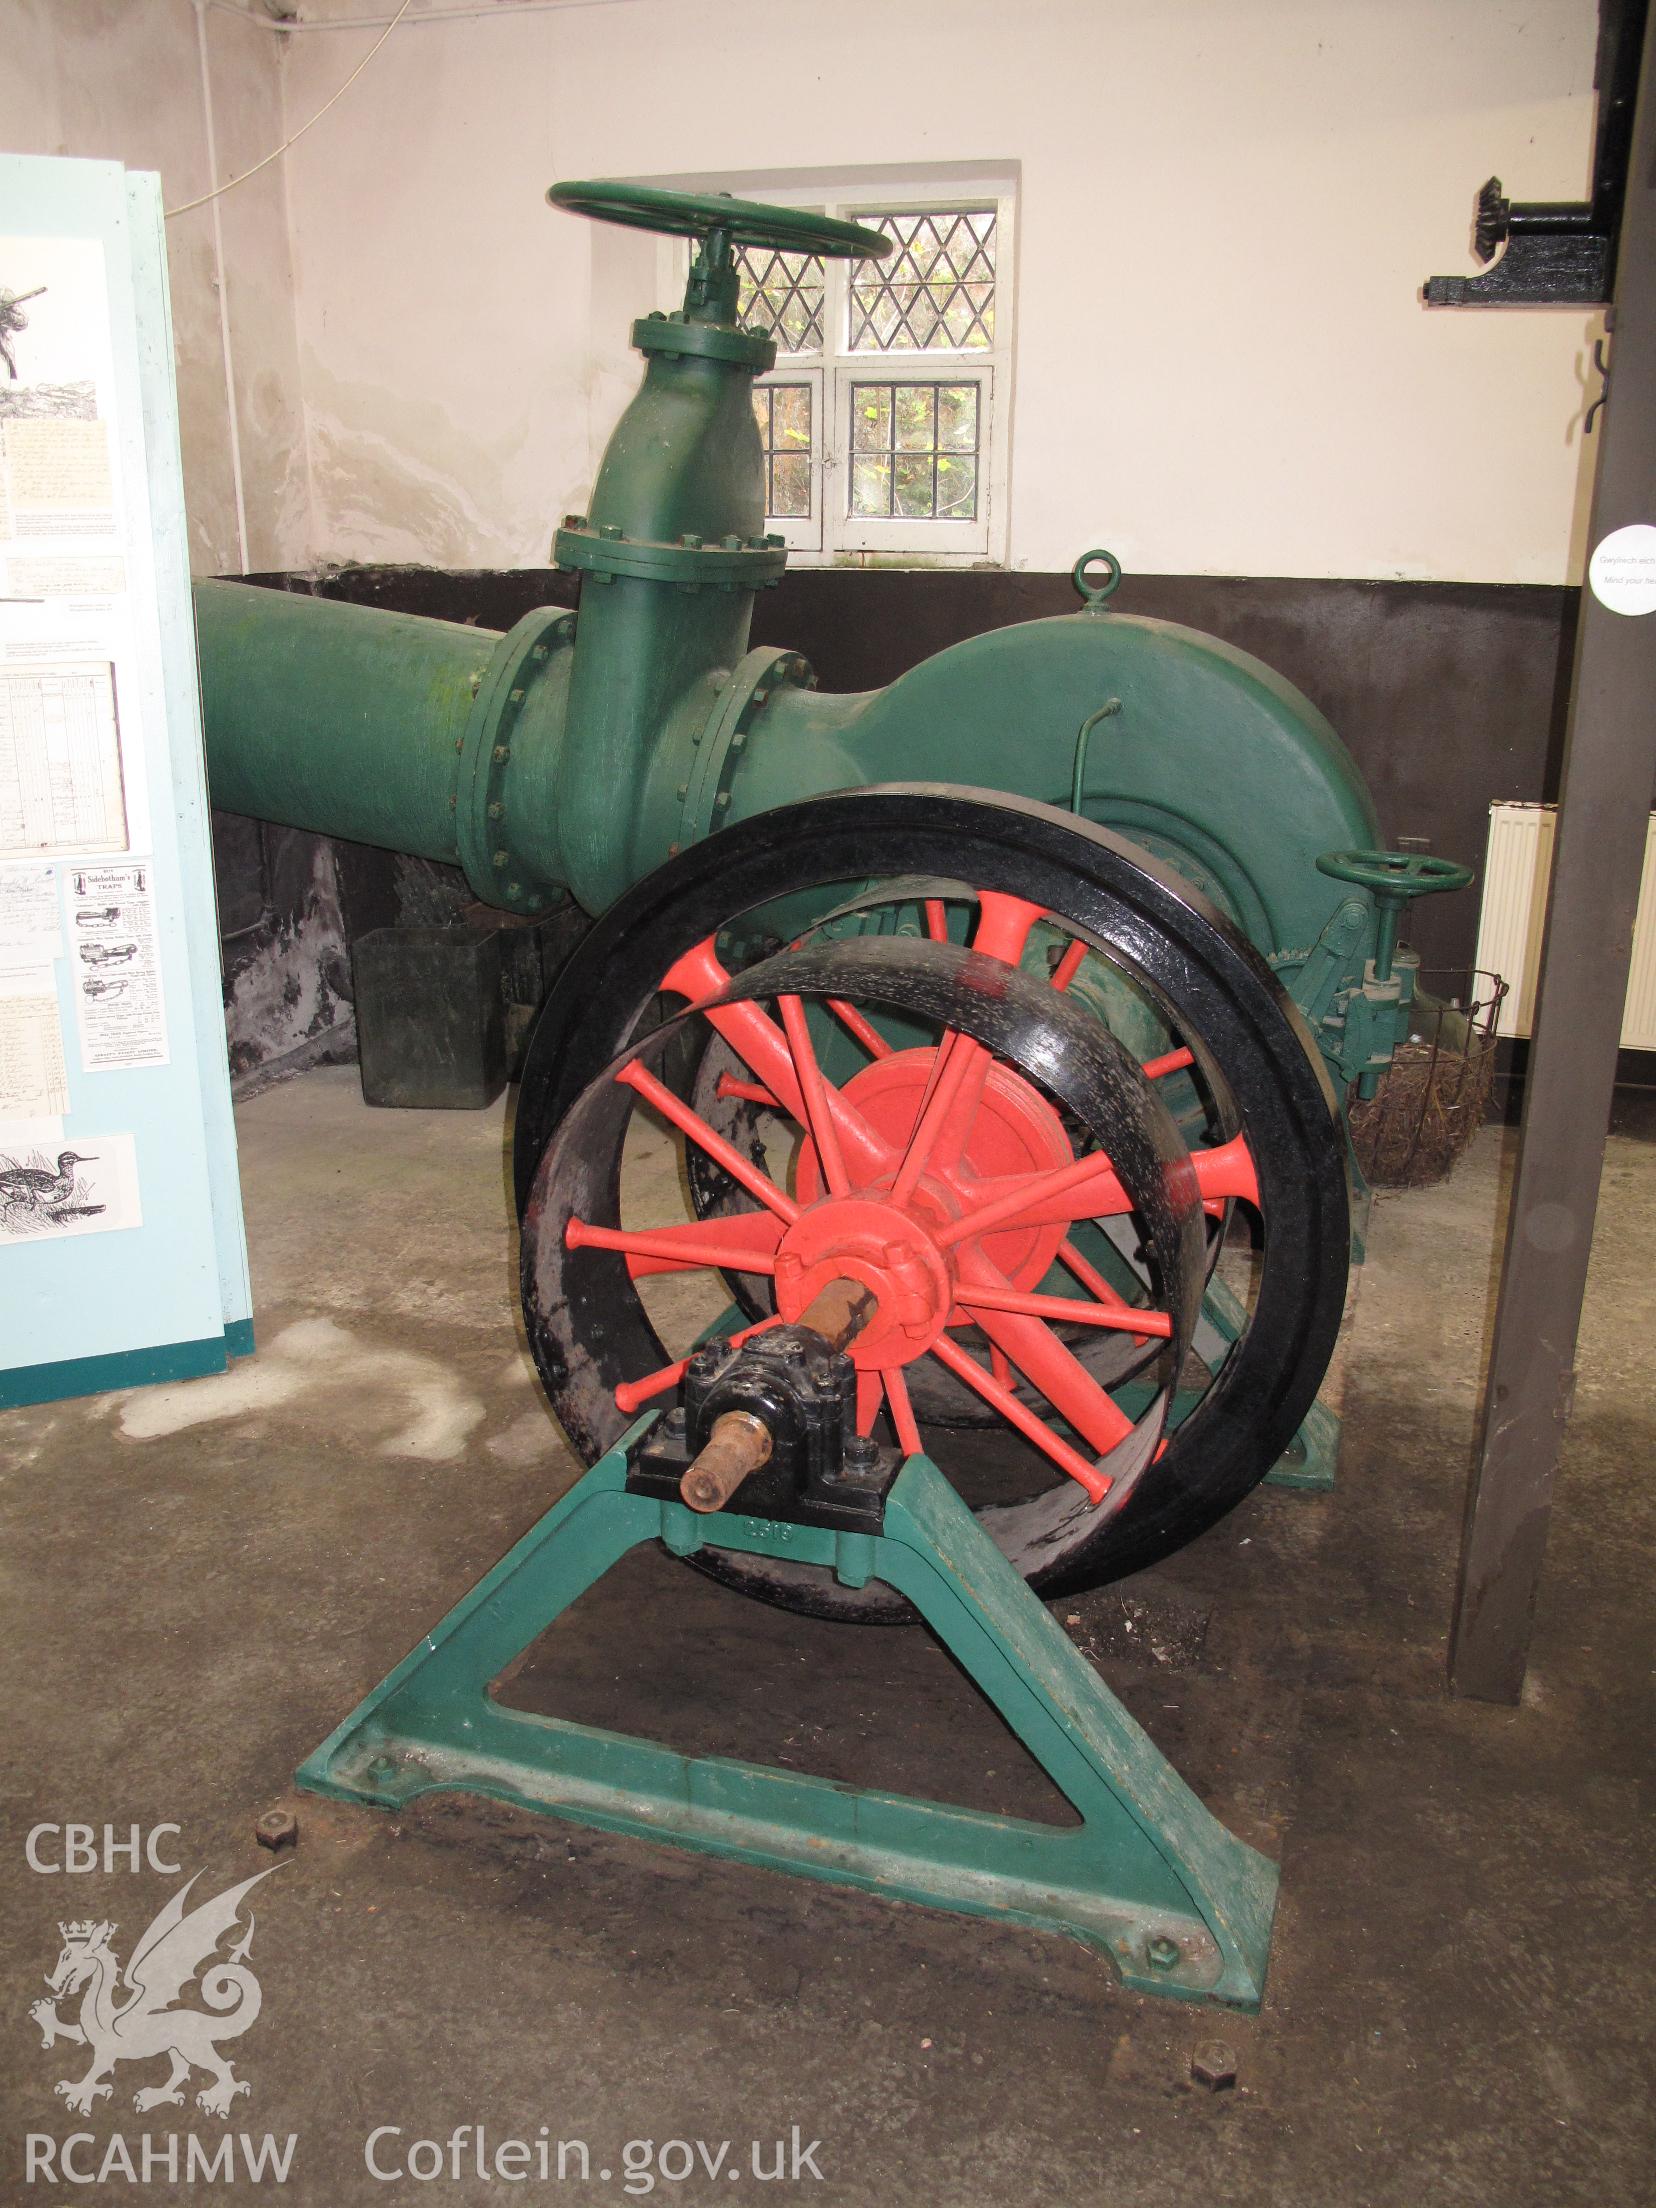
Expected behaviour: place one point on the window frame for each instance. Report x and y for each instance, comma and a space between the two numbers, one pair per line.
803, 537
833, 535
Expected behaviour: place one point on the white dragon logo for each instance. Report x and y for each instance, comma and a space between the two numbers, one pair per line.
144, 2021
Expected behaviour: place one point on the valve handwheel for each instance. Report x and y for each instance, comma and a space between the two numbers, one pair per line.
949, 1174
702, 214
1399, 873
1393, 879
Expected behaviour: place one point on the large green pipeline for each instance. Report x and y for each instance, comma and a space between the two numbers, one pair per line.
580, 750
460, 744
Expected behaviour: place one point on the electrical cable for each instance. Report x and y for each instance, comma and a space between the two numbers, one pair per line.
221, 189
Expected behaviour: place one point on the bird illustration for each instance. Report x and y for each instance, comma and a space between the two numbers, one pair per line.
33, 1188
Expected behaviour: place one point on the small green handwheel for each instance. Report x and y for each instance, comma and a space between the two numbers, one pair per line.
1403, 873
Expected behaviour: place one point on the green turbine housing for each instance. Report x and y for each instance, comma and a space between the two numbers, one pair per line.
579, 751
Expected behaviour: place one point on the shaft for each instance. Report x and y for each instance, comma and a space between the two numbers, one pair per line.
741, 1442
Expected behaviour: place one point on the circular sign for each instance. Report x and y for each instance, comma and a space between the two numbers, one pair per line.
1622, 574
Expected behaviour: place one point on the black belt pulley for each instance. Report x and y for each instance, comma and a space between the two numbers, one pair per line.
936, 1111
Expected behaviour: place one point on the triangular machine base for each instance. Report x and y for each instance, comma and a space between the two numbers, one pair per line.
1177, 1903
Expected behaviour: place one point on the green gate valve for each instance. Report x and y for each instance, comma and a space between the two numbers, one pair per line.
1392, 879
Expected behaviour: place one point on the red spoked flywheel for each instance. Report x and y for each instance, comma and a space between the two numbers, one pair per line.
941, 1179
928, 1118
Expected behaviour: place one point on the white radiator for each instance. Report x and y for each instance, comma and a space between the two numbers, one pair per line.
1516, 868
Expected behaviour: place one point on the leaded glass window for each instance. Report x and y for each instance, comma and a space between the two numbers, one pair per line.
784, 412
781, 294
883, 422
914, 451
934, 292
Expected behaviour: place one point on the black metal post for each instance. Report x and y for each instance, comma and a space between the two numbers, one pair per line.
1604, 802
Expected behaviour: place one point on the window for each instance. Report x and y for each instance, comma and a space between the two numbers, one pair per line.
884, 420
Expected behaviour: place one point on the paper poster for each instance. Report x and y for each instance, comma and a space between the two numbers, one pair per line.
58, 478
116, 964
72, 576
71, 740
91, 1188
54, 415
31, 925
60, 759
34, 1081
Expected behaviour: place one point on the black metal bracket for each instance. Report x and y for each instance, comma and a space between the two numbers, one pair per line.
1561, 253
820, 1472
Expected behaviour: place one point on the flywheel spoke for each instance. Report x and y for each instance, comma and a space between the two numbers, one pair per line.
813, 1091
855, 1024
731, 1090
1153, 1069
902, 1413
1095, 1483
1043, 1359
744, 1243
1069, 965
947, 1110
1003, 925
1093, 1280
690, 1122
1090, 1189
763, 1046
1125, 1319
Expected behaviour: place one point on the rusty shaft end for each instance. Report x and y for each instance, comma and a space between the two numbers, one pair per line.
741, 1442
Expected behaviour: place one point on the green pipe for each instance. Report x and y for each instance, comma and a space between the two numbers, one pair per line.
338, 717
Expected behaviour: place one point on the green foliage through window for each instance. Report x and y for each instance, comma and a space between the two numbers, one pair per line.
914, 451
783, 412
936, 292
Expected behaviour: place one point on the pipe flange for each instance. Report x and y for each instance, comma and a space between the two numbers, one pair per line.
675, 336
733, 563
719, 746
495, 866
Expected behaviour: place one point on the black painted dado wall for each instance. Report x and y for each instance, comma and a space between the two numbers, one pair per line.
1448, 694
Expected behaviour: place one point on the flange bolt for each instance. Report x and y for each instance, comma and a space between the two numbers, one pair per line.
862, 1454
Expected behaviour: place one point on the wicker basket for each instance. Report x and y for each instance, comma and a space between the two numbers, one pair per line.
1434, 1096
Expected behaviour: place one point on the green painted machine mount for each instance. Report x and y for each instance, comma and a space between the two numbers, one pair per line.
1149, 1878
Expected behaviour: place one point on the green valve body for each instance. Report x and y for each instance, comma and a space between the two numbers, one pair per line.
577, 752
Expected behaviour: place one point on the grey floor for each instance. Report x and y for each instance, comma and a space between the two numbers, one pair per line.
200, 1581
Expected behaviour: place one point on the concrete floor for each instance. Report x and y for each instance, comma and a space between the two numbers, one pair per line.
203, 1580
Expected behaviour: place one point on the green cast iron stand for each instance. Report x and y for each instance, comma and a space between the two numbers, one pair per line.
1149, 1877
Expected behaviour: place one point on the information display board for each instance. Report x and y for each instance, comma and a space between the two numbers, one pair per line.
122, 1254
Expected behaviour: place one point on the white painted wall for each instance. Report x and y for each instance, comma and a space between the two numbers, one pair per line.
1226, 214
121, 80
1226, 211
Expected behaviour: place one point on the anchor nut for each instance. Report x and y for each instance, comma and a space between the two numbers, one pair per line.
1163, 1952
1213, 2064
277, 1828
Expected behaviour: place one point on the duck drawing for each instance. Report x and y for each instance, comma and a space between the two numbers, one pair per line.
35, 1193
